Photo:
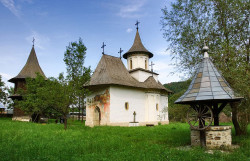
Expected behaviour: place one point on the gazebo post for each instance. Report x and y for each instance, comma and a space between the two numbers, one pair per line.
216, 114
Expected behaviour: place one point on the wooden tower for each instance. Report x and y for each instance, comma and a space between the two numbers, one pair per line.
29, 71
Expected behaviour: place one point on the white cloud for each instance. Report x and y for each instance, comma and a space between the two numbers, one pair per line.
41, 41
5, 76
10, 4
132, 10
129, 30
163, 52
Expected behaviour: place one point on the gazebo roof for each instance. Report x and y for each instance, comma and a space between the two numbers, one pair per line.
137, 47
30, 68
208, 85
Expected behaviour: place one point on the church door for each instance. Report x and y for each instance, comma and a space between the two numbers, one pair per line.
97, 116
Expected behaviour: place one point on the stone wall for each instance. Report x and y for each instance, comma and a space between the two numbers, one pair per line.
216, 137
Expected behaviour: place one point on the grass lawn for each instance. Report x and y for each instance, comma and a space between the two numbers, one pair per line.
31, 141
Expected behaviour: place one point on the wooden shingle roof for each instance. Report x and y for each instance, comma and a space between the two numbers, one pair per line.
30, 68
137, 47
111, 71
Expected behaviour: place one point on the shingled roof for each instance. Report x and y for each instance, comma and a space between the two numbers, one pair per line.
111, 71
137, 47
208, 85
30, 68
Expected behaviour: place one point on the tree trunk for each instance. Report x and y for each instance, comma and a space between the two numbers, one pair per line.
65, 122
79, 108
237, 127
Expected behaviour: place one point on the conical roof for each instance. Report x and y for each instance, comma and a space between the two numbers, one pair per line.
30, 68
208, 85
137, 47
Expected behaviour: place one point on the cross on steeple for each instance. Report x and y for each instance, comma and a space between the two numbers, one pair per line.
120, 52
103, 45
33, 41
152, 64
137, 23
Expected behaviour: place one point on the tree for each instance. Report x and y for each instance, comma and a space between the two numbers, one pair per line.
224, 26
2, 90
32, 102
44, 97
78, 75
58, 93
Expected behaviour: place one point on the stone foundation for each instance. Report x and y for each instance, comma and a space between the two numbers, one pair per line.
216, 137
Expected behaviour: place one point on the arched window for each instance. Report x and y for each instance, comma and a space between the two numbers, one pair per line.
131, 65
157, 108
146, 64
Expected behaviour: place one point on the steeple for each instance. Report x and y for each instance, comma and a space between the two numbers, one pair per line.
30, 68
137, 47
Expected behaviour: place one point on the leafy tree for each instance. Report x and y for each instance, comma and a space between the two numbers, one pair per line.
2, 90
78, 75
58, 94
32, 102
224, 26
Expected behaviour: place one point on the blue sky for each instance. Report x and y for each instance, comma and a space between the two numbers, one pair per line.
55, 23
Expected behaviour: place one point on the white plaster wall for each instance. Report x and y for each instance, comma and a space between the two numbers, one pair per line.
141, 76
138, 61
163, 108
136, 100
151, 113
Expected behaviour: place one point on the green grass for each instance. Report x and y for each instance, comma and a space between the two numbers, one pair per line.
31, 141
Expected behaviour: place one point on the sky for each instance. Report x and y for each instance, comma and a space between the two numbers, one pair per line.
56, 23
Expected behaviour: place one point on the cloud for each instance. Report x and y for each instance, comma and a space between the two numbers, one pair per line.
10, 4
5, 76
129, 30
41, 41
132, 10
163, 52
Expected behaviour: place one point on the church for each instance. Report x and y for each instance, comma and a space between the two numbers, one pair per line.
131, 96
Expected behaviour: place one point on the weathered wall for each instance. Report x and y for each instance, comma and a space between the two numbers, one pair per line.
101, 99
216, 137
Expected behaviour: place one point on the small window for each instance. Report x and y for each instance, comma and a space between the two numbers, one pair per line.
146, 64
126, 105
131, 66
157, 108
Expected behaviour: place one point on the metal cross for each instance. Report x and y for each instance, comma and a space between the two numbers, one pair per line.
120, 52
33, 41
134, 115
137, 23
103, 45
152, 64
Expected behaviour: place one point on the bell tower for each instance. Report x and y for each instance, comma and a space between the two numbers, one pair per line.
138, 59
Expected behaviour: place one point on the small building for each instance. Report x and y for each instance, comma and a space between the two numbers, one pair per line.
126, 97
30, 70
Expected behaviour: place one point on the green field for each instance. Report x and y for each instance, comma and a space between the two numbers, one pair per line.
31, 141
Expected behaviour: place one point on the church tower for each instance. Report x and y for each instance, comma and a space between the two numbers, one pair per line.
29, 71
138, 60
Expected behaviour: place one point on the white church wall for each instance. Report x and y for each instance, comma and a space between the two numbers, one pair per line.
138, 61
163, 108
141, 76
136, 100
